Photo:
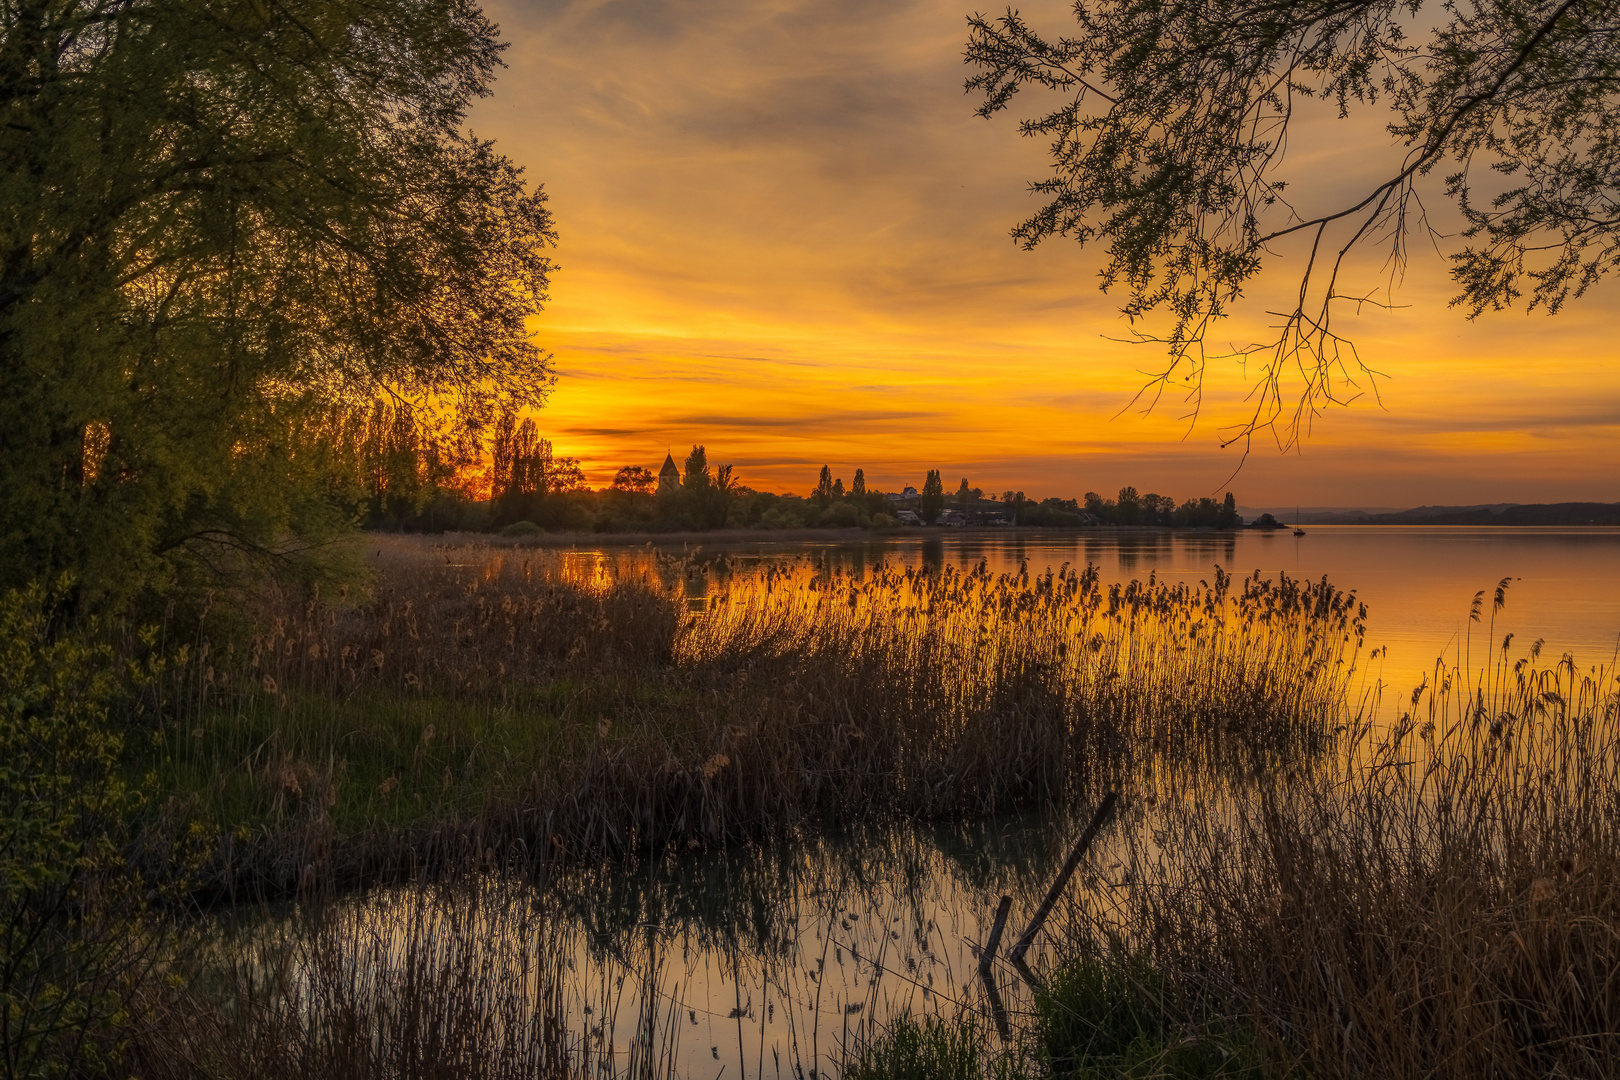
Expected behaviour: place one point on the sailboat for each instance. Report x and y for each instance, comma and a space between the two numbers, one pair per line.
1297, 530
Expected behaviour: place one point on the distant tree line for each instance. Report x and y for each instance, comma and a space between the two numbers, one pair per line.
421, 481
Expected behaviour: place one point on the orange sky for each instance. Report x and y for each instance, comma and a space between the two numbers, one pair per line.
784, 235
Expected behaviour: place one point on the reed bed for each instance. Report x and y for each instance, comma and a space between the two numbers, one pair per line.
492, 708
1441, 898
421, 983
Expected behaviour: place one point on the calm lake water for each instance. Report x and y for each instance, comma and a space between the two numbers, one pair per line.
769, 961
1418, 582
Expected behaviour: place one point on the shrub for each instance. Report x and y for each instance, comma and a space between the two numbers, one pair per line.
840, 515
880, 520
66, 899
522, 528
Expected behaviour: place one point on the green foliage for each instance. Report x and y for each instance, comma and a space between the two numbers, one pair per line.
228, 230
1102, 1017
840, 515
932, 1050
64, 813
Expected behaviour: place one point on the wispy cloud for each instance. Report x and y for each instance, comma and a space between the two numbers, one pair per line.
773, 209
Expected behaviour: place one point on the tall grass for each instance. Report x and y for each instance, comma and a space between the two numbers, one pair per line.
508, 708
1440, 899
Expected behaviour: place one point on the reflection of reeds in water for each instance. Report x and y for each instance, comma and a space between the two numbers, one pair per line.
420, 982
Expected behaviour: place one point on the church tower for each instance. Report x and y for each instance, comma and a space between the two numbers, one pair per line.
669, 477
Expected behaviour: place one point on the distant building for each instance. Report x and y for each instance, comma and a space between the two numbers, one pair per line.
909, 517
903, 496
669, 477
954, 518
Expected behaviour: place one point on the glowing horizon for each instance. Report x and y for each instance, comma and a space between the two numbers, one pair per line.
784, 236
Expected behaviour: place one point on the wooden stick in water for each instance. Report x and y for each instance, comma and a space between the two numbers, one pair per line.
1018, 950
988, 956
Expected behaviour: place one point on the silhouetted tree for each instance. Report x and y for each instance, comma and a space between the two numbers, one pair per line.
1171, 130
857, 487
933, 497
824, 484
1229, 516
964, 495
635, 478
1128, 510
695, 477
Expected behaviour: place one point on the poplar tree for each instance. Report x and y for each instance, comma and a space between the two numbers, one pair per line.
824, 484
933, 497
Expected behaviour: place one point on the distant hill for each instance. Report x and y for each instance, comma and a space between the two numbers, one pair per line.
1570, 513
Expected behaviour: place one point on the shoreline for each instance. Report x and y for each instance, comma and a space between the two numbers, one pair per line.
770, 536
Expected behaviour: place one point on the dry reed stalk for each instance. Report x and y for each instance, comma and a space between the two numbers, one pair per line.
799, 697
1444, 901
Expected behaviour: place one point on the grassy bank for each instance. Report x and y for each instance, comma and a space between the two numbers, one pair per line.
505, 705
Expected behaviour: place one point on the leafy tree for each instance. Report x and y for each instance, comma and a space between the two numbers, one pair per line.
696, 477
224, 231
69, 899
634, 478
706, 495
1169, 143
824, 484
857, 486
1228, 518
964, 495
933, 497
838, 489
1128, 510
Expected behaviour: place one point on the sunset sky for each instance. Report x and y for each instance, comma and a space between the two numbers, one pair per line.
785, 236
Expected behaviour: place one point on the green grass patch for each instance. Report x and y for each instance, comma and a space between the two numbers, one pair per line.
1112, 1017
933, 1049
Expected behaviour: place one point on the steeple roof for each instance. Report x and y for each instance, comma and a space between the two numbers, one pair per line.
670, 468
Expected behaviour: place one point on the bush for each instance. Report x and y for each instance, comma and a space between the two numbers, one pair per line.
840, 515
880, 520
523, 528
66, 899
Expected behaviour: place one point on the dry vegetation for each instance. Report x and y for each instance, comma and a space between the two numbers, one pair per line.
1307, 890
1441, 898
487, 708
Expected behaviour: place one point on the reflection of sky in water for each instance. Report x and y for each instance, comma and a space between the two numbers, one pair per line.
1416, 582
767, 961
